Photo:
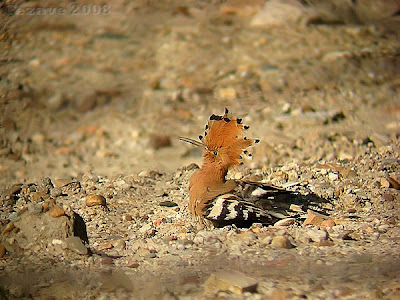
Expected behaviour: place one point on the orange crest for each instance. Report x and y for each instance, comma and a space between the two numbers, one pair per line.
224, 141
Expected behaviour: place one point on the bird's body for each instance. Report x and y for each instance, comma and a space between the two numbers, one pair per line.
212, 196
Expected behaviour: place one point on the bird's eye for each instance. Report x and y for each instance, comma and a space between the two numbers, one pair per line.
215, 153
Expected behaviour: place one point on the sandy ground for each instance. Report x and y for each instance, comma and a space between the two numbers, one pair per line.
94, 95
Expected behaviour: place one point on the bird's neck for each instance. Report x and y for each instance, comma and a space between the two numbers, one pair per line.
214, 172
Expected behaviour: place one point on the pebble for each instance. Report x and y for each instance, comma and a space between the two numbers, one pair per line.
281, 241
393, 183
128, 218
93, 200
285, 222
147, 228
39, 196
62, 182
232, 281
133, 264
55, 192
56, 212
317, 235
75, 244
385, 183
388, 197
168, 203
328, 223
333, 176
314, 218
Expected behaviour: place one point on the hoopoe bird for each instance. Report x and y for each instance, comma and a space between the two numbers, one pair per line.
222, 201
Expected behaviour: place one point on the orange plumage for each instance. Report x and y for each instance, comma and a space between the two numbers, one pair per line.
223, 144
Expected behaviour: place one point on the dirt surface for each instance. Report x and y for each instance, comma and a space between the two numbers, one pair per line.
94, 181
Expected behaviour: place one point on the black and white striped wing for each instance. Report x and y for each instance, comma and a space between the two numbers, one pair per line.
231, 209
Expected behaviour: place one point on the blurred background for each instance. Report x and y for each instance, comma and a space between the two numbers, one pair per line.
108, 86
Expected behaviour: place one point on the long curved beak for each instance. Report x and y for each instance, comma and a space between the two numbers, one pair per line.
191, 141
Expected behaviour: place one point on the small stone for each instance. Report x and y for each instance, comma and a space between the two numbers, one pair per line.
380, 139
133, 264
388, 197
333, 176
328, 223
317, 235
168, 203
62, 182
2, 250
8, 228
285, 222
56, 212
75, 244
314, 218
147, 228
37, 196
383, 228
393, 183
295, 207
233, 281
119, 245
128, 218
45, 206
266, 241
55, 192
93, 200
385, 183
281, 241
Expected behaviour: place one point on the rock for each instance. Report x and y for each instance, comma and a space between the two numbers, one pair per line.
128, 218
388, 197
62, 182
328, 223
10, 226
333, 176
93, 200
317, 235
146, 229
393, 183
119, 245
133, 264
233, 281
55, 192
276, 13
37, 231
75, 244
38, 196
385, 183
168, 203
56, 212
380, 139
314, 218
285, 222
281, 241
248, 237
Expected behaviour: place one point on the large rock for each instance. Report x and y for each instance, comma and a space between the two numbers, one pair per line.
36, 230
